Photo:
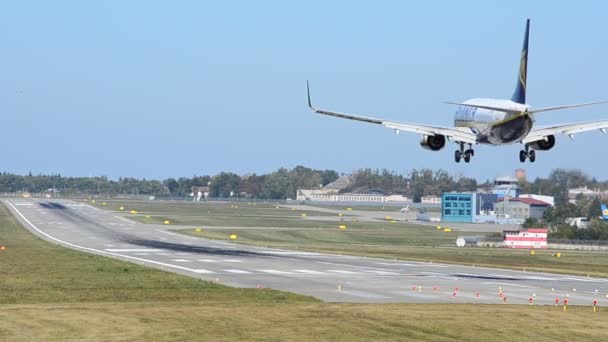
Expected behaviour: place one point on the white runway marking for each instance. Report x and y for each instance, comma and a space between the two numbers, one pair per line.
141, 253
99, 250
173, 234
92, 207
163, 254
384, 273
238, 271
289, 253
309, 272
201, 271
207, 260
133, 250
182, 260
509, 284
343, 272
232, 260
276, 272
125, 219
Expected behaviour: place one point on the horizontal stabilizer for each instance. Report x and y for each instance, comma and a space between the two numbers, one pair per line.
547, 109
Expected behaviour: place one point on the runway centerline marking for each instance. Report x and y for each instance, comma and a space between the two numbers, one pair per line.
309, 272
343, 272
276, 272
99, 251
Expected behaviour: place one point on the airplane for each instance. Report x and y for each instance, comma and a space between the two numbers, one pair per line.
604, 213
487, 121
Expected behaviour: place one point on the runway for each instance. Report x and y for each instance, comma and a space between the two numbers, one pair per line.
333, 278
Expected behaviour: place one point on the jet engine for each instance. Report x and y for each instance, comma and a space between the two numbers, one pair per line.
433, 142
544, 144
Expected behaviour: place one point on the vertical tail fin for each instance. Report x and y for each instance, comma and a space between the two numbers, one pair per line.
604, 212
519, 95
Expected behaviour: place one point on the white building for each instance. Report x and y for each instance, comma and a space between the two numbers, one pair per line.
430, 200
331, 195
587, 193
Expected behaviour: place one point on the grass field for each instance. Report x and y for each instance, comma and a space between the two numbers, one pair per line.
35, 271
266, 225
300, 322
412, 243
49, 293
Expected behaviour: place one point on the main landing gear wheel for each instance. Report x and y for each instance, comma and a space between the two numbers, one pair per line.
467, 156
532, 156
462, 154
522, 156
527, 154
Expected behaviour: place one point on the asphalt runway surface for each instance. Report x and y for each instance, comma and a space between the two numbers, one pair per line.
333, 278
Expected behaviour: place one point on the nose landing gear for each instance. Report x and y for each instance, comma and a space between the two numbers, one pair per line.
464, 154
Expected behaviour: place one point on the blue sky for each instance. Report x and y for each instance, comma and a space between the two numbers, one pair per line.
162, 89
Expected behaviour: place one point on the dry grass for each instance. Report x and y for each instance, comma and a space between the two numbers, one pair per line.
299, 322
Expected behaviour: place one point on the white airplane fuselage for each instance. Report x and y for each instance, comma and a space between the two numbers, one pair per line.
494, 127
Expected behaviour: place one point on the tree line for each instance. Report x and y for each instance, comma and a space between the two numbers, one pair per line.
284, 182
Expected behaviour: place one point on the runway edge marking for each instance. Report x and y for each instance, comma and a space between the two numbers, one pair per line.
97, 250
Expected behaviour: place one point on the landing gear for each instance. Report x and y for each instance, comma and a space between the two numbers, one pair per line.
464, 154
527, 154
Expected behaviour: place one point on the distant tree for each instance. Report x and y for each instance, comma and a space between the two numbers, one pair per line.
172, 185
224, 184
531, 222
595, 209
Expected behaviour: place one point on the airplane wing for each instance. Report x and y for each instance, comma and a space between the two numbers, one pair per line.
568, 129
454, 134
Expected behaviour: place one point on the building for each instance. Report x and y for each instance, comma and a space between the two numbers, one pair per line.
198, 192
520, 208
531, 238
585, 192
332, 195
467, 207
458, 207
547, 199
506, 186
430, 200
